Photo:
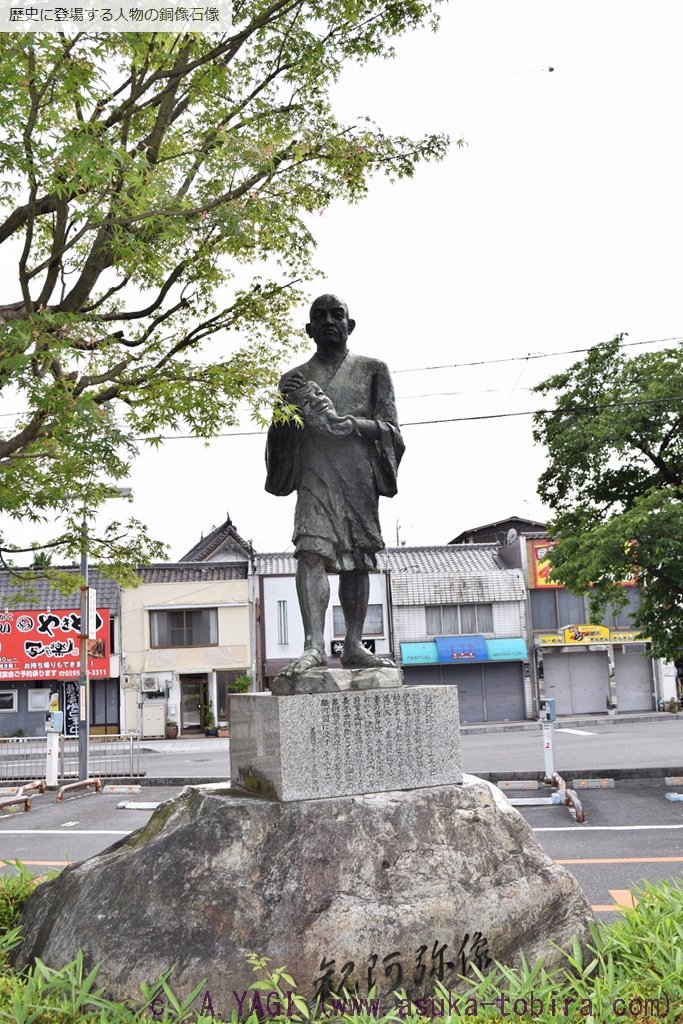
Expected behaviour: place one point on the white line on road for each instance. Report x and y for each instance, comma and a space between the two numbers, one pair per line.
577, 732
58, 832
604, 828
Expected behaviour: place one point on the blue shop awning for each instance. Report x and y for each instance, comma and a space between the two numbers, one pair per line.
512, 649
419, 654
461, 649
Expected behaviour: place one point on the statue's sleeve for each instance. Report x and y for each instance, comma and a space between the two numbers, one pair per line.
389, 446
282, 458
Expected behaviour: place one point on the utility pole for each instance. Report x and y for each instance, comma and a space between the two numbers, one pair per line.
83, 681
88, 631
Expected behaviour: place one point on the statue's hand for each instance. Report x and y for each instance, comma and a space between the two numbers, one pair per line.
338, 426
293, 382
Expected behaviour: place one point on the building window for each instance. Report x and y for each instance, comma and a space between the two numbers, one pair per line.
622, 618
543, 609
184, 627
373, 625
454, 619
282, 630
8, 700
571, 609
552, 609
38, 700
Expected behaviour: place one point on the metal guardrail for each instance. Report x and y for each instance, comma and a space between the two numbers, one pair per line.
25, 757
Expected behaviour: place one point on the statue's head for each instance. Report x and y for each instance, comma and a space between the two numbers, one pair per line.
330, 323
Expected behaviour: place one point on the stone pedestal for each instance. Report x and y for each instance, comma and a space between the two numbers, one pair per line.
339, 744
336, 680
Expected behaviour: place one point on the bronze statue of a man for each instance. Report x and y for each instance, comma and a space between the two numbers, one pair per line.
344, 458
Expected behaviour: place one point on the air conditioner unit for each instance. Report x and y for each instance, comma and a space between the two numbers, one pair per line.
150, 684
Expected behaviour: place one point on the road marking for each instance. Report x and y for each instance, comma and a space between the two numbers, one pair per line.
620, 860
58, 832
577, 732
604, 828
69, 824
623, 900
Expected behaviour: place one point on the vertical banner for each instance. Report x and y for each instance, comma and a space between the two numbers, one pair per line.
71, 711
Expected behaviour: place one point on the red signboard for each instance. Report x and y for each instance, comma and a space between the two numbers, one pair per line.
45, 644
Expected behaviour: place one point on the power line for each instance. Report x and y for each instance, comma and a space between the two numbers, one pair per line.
529, 356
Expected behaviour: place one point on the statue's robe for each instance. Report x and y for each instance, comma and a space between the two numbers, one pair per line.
339, 479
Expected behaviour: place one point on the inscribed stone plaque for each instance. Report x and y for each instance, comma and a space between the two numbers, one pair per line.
339, 744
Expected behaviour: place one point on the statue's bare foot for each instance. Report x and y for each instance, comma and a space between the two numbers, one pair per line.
357, 656
311, 658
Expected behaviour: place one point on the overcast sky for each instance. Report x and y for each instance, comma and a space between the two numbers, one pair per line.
555, 227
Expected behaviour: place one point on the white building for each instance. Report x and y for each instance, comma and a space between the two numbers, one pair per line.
281, 631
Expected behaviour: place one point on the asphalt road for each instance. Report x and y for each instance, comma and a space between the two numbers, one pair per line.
578, 747
632, 834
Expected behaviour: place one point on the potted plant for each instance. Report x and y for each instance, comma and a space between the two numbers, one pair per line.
171, 729
210, 728
223, 729
240, 685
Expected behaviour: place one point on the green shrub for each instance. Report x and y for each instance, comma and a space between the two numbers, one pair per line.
15, 889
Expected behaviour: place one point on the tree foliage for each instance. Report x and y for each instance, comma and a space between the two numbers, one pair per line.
157, 192
614, 481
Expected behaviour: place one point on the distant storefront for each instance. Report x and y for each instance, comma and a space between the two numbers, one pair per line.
576, 664
40, 667
489, 673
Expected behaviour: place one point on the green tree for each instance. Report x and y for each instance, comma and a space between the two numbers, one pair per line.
614, 480
157, 192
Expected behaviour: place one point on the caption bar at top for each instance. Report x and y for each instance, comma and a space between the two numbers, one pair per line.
142, 16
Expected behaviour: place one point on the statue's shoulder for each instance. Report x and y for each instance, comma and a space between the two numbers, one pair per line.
367, 363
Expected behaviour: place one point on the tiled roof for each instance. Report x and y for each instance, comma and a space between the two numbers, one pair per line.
461, 559
39, 593
191, 572
205, 548
278, 563
453, 558
456, 588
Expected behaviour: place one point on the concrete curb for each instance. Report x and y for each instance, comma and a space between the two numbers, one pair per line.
573, 722
523, 777
583, 773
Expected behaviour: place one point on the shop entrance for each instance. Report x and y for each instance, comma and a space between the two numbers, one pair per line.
193, 697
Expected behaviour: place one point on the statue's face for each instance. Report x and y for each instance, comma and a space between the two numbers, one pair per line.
330, 324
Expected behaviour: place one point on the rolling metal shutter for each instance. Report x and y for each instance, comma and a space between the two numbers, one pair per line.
578, 681
504, 691
468, 679
422, 675
634, 681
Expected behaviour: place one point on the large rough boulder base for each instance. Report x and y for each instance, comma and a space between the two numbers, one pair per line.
399, 888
